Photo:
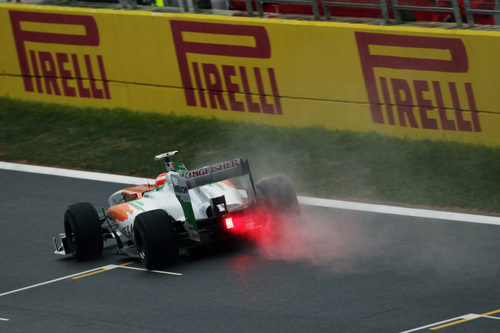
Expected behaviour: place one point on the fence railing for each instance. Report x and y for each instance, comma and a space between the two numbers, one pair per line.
391, 11
470, 12
382, 5
259, 4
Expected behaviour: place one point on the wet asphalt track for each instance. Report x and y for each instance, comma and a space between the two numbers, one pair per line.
346, 272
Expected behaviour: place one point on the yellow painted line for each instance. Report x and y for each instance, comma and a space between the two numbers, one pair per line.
103, 269
89, 274
490, 313
463, 320
128, 263
449, 324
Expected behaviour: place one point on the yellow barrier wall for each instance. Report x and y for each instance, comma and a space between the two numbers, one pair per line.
401, 81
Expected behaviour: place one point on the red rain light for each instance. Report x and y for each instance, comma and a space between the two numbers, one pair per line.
229, 223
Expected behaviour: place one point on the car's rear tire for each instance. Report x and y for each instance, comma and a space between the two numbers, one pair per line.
278, 194
155, 239
82, 227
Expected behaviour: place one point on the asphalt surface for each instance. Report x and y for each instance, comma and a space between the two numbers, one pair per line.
331, 271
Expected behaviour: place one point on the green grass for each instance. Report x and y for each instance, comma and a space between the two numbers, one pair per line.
320, 162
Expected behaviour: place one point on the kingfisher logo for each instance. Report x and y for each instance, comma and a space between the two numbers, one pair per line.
45, 71
225, 85
423, 102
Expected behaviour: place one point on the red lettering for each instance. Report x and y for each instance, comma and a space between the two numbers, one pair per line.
463, 125
62, 58
54, 66
232, 88
261, 50
49, 72
103, 77
458, 62
214, 86
387, 100
96, 93
472, 106
90, 38
38, 80
199, 85
251, 105
446, 123
82, 91
404, 105
274, 88
425, 104
266, 108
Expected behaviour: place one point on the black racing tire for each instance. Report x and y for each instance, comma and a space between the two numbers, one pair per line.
278, 194
155, 239
82, 227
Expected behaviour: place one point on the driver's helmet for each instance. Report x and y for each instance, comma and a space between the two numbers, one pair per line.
160, 180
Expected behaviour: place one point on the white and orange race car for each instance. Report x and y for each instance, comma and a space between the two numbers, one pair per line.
182, 210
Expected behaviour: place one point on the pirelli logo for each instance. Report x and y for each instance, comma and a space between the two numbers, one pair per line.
47, 70
404, 90
227, 84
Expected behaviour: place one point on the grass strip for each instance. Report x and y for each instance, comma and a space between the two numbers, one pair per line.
320, 162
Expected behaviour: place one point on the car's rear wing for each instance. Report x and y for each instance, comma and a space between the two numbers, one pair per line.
238, 167
235, 168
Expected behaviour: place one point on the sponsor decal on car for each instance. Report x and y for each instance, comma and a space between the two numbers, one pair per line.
182, 194
213, 168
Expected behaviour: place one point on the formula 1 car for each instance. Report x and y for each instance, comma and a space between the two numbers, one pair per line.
182, 210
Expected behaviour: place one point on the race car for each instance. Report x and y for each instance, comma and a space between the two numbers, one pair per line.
182, 210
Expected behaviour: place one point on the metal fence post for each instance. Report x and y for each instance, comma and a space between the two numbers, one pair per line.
496, 16
185, 6
397, 12
260, 10
248, 4
326, 9
468, 14
456, 12
315, 9
385, 11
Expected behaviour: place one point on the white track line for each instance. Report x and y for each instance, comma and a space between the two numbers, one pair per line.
435, 324
153, 271
467, 317
319, 202
491, 317
395, 210
4, 319
99, 176
49, 282
106, 267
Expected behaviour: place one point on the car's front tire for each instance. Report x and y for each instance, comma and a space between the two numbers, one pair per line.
82, 227
155, 239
